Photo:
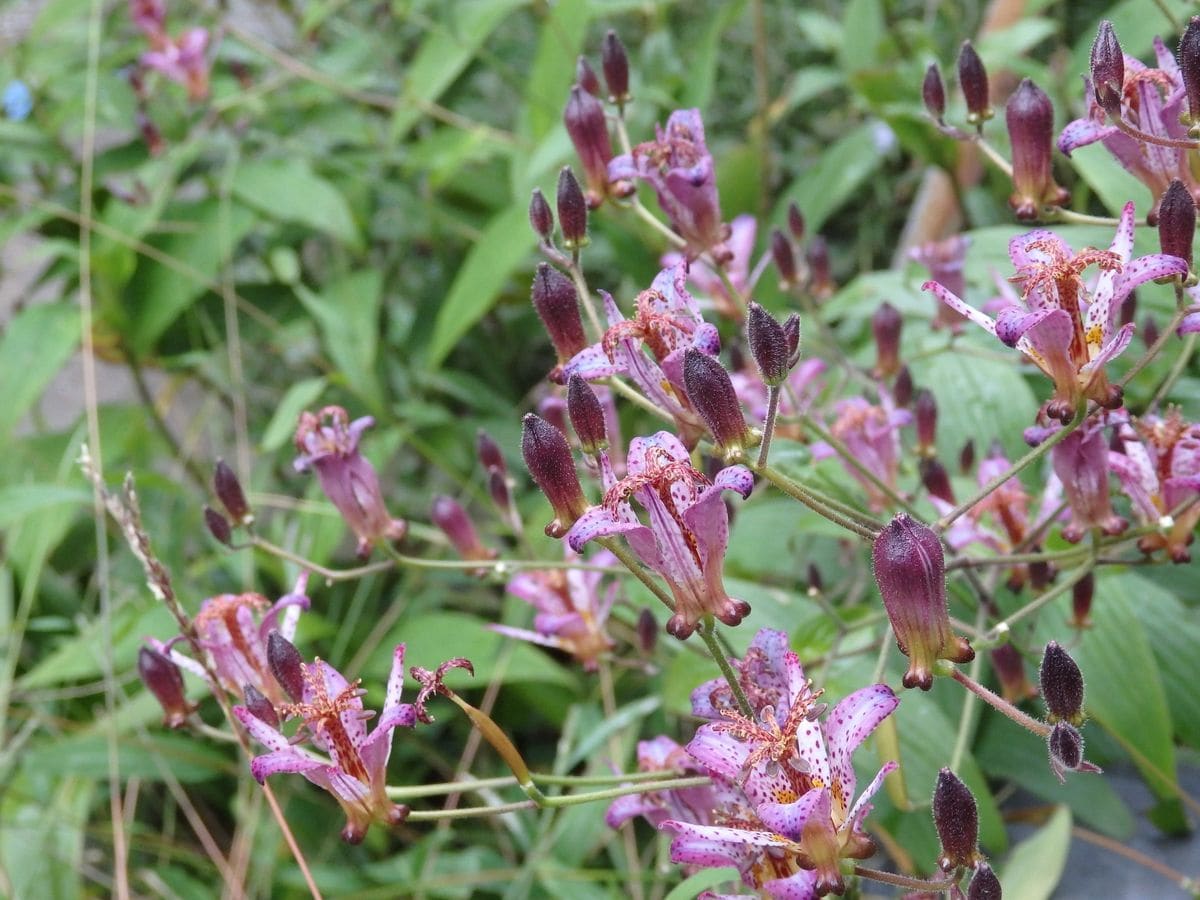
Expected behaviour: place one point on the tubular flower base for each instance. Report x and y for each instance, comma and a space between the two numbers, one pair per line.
688, 532
1065, 328
1081, 463
334, 721
782, 800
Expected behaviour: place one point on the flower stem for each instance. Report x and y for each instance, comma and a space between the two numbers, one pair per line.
833, 510
769, 424
904, 881
1041, 729
708, 635
1153, 350
1146, 137
617, 549
1057, 591
1070, 217
993, 155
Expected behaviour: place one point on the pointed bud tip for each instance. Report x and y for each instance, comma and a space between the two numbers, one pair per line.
218, 526
586, 415
228, 489
1062, 684
572, 210
769, 345
711, 393
933, 93
1107, 69
956, 818
286, 665
615, 63
541, 219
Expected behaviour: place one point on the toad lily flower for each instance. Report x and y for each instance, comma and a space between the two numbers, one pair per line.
1081, 463
688, 532
1065, 328
334, 720
182, 60
328, 442
799, 818
872, 434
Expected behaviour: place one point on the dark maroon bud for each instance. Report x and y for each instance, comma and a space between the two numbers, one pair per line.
1177, 221
285, 664
259, 706
541, 219
711, 391
1150, 330
586, 415
557, 304
498, 490
815, 582
549, 460
966, 456
795, 222
1081, 601
1189, 67
791, 330
768, 345
1128, 309
615, 62
973, 80
1108, 69
1065, 744
585, 76
933, 92
229, 491
647, 631
820, 275
1062, 685
572, 211
489, 453
448, 515
784, 257
984, 884
886, 324
165, 682
1041, 573
936, 479
1029, 116
925, 412
902, 388
553, 409
956, 818
1010, 670
218, 526
588, 128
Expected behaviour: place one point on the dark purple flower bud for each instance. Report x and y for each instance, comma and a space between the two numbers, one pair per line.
1066, 751
712, 395
795, 221
933, 92
572, 211
936, 479
1128, 309
165, 682
557, 304
910, 569
815, 583
585, 76
615, 62
1177, 221
925, 412
984, 884
791, 330
966, 456
498, 490
588, 128
768, 345
886, 324
902, 387
449, 515
1010, 669
259, 706
647, 631
489, 453
820, 274
784, 257
218, 526
586, 415
1062, 685
285, 664
1150, 330
1189, 67
229, 491
973, 80
549, 460
1081, 601
1108, 69
541, 219
1041, 573
553, 409
956, 818
1030, 120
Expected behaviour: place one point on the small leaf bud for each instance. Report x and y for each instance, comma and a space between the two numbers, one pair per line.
933, 92
615, 63
1108, 69
218, 526
229, 491
541, 219
283, 659
586, 415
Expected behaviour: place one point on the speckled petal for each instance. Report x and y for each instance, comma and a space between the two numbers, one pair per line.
788, 818
862, 805
599, 521
280, 761
592, 363
711, 845
800, 886
1082, 132
262, 732
1146, 268
850, 723
1111, 350
718, 753
952, 300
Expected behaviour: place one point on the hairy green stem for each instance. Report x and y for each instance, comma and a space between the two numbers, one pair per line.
708, 635
1041, 729
833, 510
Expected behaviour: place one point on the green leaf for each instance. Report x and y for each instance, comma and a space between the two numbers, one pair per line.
863, 19
702, 881
500, 249
702, 71
1174, 634
348, 313
825, 187
153, 758
36, 344
288, 190
1036, 864
18, 501
1113, 185
553, 69
299, 397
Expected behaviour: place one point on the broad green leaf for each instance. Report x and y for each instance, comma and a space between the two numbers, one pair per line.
348, 313
553, 69
45, 825
299, 397
1014, 41
1113, 185
500, 249
1035, 865
20, 500
863, 19
704, 880
35, 345
702, 72
842, 168
822, 31
806, 84
86, 755
289, 190
1174, 634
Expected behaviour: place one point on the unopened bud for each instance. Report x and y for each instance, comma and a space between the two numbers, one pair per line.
498, 490
956, 818
791, 330
973, 80
541, 219
229, 491
259, 706
936, 479
549, 460
489, 453
768, 345
448, 515
1149, 330
925, 412
585, 76
886, 325
588, 129
984, 884
1128, 309
820, 274
1189, 67
966, 456
902, 387
1065, 744
1029, 116
815, 583
1081, 600
572, 211
1062, 685
1108, 69
1177, 221
586, 415
557, 304
553, 409
285, 664
784, 257
711, 392
218, 526
933, 92
647, 631
795, 221
165, 682
615, 63
1010, 670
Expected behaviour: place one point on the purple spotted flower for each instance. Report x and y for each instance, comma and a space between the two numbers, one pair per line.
1080, 461
328, 443
354, 768
688, 528
182, 59
1152, 100
694, 804
1065, 327
872, 434
677, 163
705, 279
797, 816
945, 260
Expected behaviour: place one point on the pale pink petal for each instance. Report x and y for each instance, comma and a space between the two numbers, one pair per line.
981, 319
849, 724
862, 805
